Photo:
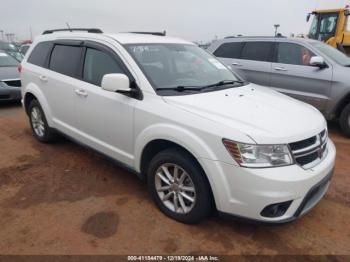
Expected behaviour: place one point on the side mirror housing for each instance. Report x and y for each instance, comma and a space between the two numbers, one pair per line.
115, 83
318, 61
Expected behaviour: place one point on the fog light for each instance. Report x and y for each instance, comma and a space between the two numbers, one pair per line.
276, 210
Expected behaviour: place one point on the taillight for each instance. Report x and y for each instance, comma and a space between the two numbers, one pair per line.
19, 68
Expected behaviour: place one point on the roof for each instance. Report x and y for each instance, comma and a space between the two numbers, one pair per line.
269, 38
330, 10
123, 38
132, 38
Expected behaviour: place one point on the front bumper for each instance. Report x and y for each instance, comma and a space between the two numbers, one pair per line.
10, 94
245, 192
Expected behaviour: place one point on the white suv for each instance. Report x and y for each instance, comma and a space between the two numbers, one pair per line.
202, 138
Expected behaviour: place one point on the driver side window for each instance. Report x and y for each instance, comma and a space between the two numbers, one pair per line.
293, 54
97, 64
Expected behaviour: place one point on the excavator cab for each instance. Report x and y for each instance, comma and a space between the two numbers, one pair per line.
324, 26
330, 26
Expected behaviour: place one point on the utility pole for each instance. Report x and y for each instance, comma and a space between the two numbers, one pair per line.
276, 26
8, 37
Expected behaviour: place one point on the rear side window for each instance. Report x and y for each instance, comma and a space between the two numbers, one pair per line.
65, 59
40, 54
229, 50
97, 64
257, 51
293, 54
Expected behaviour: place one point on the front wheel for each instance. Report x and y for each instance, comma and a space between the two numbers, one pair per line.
179, 186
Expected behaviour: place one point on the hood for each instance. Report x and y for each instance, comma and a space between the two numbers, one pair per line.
266, 116
10, 72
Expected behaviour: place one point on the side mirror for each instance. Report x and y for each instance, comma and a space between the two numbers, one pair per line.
115, 83
318, 61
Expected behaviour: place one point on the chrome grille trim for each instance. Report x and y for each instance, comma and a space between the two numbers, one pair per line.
320, 147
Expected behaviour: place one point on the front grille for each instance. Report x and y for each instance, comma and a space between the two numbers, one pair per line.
304, 160
13, 83
302, 144
309, 152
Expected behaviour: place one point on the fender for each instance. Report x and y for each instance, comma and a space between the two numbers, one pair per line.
181, 136
35, 90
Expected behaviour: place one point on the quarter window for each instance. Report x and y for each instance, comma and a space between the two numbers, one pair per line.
229, 50
257, 51
65, 59
293, 54
40, 54
97, 64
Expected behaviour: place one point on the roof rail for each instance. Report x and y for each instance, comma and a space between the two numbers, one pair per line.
246, 36
151, 33
89, 30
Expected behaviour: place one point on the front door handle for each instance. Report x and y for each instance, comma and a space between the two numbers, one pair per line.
236, 64
43, 79
280, 69
81, 92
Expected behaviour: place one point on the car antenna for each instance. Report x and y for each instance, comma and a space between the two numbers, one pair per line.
68, 26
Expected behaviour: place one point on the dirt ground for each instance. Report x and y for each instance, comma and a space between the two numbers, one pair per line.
64, 199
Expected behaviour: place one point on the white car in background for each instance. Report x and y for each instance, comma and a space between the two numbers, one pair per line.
166, 109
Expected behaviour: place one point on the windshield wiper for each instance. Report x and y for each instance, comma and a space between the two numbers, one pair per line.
180, 88
200, 88
223, 83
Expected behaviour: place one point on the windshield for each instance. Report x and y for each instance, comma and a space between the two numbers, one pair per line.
7, 60
332, 53
18, 56
174, 65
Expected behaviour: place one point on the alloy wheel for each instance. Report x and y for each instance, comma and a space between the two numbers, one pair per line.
37, 121
175, 188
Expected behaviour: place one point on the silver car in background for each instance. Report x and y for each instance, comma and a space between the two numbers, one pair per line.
10, 83
304, 69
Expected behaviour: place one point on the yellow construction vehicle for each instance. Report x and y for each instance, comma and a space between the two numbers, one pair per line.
331, 27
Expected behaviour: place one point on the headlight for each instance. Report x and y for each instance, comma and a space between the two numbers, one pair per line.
255, 156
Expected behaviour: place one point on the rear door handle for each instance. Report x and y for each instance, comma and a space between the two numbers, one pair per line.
280, 69
81, 92
43, 79
236, 64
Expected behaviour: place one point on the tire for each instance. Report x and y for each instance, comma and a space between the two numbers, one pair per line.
345, 121
37, 118
188, 212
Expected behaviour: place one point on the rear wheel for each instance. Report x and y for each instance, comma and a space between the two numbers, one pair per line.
179, 186
38, 123
345, 120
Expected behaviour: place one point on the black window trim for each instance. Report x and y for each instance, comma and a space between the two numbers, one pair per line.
108, 51
75, 43
48, 55
103, 48
98, 46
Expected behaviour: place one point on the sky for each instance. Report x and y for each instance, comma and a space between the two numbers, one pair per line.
194, 20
